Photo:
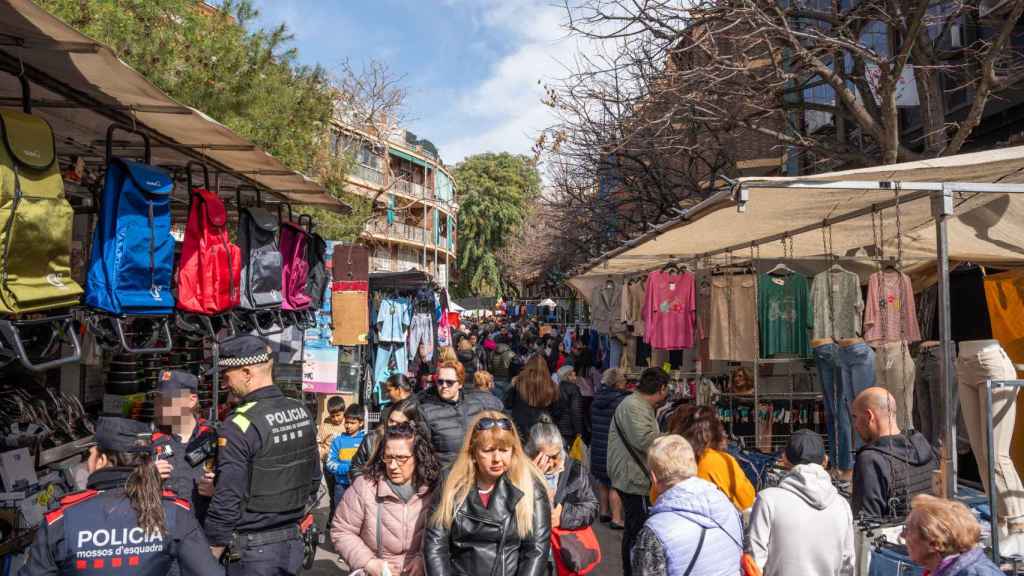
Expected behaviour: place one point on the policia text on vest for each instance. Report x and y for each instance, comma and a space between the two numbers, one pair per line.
267, 474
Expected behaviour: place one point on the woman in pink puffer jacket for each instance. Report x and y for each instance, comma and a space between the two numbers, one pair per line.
380, 519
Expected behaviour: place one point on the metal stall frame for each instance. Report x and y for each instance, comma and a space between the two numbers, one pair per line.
667, 241
942, 209
993, 498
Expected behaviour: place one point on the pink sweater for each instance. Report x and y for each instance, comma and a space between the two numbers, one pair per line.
669, 310
889, 311
354, 528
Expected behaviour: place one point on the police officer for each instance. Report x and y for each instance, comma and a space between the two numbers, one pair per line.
185, 441
268, 468
124, 522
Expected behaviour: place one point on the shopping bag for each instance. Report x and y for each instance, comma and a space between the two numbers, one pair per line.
578, 452
576, 552
748, 565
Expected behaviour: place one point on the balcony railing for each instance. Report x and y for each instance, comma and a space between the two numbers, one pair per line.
414, 190
368, 174
407, 232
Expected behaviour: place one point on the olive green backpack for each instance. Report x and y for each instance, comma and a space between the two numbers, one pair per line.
35, 262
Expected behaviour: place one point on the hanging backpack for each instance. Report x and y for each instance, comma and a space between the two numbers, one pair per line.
132, 257
261, 257
294, 264
35, 261
210, 269
316, 255
35, 265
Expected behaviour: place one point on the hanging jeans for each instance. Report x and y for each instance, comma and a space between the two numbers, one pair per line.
856, 374
613, 351
391, 359
895, 372
826, 357
929, 396
972, 370
421, 331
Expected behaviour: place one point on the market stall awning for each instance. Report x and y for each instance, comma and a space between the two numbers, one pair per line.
80, 87
856, 210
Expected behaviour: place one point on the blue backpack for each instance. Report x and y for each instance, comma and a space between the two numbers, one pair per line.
132, 258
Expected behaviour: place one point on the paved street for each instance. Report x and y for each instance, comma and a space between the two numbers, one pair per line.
611, 565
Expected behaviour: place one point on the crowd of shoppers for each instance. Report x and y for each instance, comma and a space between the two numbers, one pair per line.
507, 448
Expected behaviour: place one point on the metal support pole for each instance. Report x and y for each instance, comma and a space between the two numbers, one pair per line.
990, 464
942, 208
215, 359
993, 497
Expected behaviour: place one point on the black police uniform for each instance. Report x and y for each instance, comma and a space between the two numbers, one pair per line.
97, 532
185, 478
268, 471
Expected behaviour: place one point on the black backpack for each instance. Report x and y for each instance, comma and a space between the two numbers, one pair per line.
261, 256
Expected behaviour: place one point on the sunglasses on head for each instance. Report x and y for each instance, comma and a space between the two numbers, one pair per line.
405, 429
488, 423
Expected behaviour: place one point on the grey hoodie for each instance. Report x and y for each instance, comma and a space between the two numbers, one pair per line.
797, 527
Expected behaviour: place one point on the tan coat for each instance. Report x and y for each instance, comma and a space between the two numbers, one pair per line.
354, 528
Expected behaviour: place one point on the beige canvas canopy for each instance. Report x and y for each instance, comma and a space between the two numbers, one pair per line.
890, 206
80, 86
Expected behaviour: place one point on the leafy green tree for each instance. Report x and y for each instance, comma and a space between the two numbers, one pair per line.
220, 62
494, 193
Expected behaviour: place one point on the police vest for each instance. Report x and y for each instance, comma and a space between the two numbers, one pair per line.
281, 475
102, 533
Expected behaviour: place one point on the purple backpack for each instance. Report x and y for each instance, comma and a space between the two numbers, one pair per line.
294, 265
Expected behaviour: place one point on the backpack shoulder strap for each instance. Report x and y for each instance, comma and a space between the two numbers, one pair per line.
696, 553
632, 451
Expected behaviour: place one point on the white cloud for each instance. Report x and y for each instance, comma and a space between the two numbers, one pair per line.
507, 103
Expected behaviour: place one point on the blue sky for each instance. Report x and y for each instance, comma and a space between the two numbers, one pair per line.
471, 67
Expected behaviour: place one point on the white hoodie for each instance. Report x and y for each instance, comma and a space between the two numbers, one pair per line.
803, 527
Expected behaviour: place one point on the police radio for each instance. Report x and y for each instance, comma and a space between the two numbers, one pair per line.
202, 448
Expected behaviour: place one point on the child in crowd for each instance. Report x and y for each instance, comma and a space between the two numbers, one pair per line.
333, 425
343, 448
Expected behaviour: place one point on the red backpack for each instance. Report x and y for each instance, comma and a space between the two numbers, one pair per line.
210, 269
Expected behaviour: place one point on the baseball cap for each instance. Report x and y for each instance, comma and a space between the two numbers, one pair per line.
115, 434
174, 381
805, 447
241, 350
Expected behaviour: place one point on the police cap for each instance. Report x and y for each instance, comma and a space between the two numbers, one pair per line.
174, 381
242, 350
122, 435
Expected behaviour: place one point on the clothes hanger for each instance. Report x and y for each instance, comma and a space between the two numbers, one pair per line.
781, 267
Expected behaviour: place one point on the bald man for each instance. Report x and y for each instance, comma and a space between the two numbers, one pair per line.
893, 466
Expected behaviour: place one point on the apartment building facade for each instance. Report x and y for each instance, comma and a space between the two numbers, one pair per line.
415, 213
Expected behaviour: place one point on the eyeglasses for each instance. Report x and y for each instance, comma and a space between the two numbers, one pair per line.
445, 383
488, 423
403, 429
400, 460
